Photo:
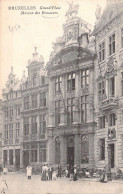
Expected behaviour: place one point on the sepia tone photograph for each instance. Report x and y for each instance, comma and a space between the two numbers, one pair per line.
61, 97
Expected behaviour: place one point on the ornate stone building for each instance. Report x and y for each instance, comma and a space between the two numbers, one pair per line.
34, 110
11, 109
108, 34
71, 126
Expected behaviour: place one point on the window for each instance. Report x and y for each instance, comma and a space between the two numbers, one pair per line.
112, 44
35, 81
11, 111
102, 122
84, 149
84, 108
34, 124
17, 110
70, 109
57, 112
42, 124
6, 112
6, 132
34, 152
11, 157
112, 118
11, 131
85, 78
42, 152
112, 86
122, 37
5, 156
43, 80
11, 94
71, 81
34, 101
122, 83
26, 126
17, 130
101, 91
26, 102
101, 52
57, 84
43, 99
102, 149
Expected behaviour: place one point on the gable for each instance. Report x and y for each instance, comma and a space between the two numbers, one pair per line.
69, 55
108, 15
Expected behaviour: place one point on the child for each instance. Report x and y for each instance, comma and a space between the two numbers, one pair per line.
29, 171
54, 176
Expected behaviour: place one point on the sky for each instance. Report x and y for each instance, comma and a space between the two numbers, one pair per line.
17, 44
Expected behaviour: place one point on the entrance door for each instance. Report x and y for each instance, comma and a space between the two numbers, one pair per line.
25, 158
70, 156
17, 159
111, 155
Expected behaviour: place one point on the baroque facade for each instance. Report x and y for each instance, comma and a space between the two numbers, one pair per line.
109, 86
69, 111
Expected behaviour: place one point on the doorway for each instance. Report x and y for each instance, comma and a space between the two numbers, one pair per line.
70, 156
25, 158
111, 155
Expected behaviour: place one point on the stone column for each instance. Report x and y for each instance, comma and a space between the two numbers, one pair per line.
77, 150
76, 112
51, 104
91, 149
30, 157
14, 161
63, 158
38, 152
38, 127
21, 156
63, 118
50, 152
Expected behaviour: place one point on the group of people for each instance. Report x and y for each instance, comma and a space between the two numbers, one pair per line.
47, 173
71, 172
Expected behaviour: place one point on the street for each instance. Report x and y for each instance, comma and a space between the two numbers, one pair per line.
19, 184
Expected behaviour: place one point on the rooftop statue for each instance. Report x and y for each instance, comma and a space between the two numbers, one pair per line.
98, 12
72, 11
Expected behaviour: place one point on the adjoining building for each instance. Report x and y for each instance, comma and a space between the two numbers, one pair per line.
34, 111
108, 34
11, 116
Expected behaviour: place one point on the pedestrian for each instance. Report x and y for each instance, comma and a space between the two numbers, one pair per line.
75, 174
29, 171
50, 171
59, 171
5, 170
43, 175
68, 168
71, 173
103, 178
54, 175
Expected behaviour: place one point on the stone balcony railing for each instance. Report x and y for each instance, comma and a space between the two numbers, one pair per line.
108, 103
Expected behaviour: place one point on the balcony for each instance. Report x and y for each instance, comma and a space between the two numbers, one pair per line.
108, 104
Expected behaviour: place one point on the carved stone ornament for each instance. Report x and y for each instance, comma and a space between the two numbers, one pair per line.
111, 68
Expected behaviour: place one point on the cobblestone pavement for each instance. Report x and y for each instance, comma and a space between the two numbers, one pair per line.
19, 184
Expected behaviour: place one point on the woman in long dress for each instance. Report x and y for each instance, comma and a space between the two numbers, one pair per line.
43, 177
29, 171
